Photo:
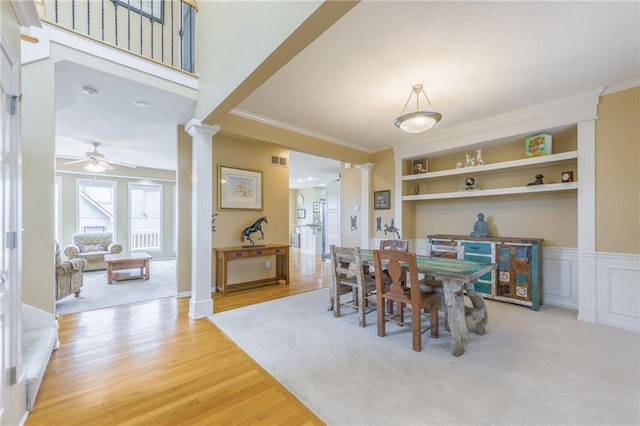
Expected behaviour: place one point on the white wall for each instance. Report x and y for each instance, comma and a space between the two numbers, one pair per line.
233, 38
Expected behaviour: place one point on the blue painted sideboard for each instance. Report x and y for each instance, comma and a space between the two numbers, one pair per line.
518, 276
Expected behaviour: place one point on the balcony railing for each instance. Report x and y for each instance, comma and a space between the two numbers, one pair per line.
145, 240
161, 30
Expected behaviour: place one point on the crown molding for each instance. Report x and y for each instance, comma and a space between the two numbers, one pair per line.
622, 86
285, 126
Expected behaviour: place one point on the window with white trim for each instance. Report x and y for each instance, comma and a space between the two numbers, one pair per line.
145, 216
96, 206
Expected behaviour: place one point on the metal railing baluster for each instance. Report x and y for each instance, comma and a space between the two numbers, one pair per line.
102, 17
129, 24
88, 17
172, 33
115, 13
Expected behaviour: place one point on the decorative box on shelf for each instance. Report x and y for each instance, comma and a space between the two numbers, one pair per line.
518, 276
538, 145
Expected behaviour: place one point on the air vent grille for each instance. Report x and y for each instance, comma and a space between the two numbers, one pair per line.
278, 161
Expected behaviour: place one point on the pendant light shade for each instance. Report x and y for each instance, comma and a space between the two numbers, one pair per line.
418, 121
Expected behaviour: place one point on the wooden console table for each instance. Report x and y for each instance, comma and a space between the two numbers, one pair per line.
225, 254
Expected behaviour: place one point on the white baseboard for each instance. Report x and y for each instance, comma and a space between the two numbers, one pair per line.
201, 308
34, 318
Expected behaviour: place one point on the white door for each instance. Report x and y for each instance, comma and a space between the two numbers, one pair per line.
9, 238
333, 214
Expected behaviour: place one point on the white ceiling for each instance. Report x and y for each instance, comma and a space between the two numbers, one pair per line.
475, 59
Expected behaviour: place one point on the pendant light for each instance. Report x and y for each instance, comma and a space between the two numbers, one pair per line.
418, 121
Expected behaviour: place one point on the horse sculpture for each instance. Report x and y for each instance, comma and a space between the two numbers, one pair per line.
391, 228
256, 227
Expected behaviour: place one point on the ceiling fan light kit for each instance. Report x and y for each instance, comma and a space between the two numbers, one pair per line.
97, 162
418, 121
95, 167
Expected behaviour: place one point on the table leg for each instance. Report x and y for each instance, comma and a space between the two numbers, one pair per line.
455, 309
109, 273
146, 270
479, 309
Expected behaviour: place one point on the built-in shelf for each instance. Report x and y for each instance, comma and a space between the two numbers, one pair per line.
524, 162
551, 187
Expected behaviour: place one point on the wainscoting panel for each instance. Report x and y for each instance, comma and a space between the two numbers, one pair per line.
559, 277
618, 290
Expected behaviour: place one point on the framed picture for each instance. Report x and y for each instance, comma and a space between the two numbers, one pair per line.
316, 207
382, 200
152, 9
302, 213
239, 189
419, 166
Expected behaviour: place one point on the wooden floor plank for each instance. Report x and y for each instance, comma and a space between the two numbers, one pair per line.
150, 363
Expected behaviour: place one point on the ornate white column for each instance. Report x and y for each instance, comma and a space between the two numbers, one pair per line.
365, 203
201, 303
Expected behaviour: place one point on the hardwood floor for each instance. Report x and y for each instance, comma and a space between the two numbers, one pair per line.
150, 363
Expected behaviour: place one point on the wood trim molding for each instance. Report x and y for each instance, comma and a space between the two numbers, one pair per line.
29, 38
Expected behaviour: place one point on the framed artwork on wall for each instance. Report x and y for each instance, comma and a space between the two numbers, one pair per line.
382, 200
316, 207
302, 213
239, 189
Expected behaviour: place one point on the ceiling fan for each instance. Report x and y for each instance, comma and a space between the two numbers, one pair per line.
97, 162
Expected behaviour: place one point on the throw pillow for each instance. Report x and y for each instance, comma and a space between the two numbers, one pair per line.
90, 248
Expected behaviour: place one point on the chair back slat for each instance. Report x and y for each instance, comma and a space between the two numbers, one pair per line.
397, 263
394, 244
349, 275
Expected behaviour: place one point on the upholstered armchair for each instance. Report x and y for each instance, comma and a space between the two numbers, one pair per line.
68, 275
92, 246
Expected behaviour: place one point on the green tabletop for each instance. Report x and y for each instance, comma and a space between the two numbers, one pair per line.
442, 266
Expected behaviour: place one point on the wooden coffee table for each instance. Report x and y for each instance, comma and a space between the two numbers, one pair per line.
127, 262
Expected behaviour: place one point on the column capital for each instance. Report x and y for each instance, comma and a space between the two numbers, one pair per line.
194, 127
366, 167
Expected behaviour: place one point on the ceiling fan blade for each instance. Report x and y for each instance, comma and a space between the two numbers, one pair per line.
75, 161
123, 164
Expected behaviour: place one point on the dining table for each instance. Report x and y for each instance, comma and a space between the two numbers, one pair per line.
458, 278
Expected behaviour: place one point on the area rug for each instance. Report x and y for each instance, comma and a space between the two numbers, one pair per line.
530, 368
97, 294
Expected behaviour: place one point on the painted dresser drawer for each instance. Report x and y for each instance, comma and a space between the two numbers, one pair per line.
477, 247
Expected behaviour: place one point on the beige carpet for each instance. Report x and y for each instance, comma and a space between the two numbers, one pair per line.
97, 294
537, 368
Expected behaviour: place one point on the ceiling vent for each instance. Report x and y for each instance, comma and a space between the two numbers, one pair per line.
278, 161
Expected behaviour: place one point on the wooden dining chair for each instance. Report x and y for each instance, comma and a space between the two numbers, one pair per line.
405, 294
392, 245
348, 274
